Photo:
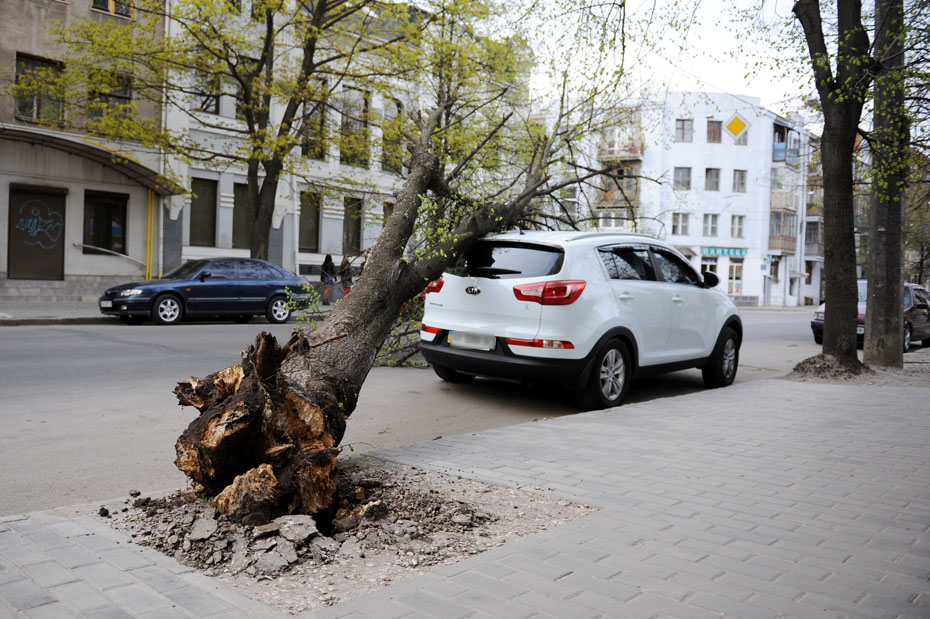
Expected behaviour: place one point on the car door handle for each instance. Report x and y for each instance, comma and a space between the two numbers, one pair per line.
677, 300
625, 297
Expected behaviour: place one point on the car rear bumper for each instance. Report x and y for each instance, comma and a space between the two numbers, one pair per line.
502, 363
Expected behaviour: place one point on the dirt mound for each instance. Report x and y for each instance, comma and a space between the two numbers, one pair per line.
391, 521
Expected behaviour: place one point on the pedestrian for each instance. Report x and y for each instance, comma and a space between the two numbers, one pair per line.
328, 277
345, 275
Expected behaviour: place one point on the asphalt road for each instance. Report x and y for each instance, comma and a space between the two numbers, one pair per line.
87, 411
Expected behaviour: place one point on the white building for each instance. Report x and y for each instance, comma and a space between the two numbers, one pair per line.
722, 179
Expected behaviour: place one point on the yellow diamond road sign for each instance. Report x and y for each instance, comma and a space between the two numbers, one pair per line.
736, 125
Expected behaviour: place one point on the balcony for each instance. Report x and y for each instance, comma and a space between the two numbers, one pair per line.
628, 198
784, 244
627, 151
814, 209
813, 250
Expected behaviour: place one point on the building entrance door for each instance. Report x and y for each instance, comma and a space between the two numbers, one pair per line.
36, 233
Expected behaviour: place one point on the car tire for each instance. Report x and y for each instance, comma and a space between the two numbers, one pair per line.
131, 320
451, 376
167, 310
907, 337
610, 377
277, 310
724, 361
818, 339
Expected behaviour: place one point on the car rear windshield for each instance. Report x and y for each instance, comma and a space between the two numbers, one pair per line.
501, 259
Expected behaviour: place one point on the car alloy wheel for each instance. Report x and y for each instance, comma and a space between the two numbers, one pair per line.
609, 379
167, 310
613, 374
278, 311
720, 370
907, 338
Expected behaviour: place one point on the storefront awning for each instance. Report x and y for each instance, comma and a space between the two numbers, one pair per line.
93, 150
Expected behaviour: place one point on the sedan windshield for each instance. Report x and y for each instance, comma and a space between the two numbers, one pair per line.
186, 270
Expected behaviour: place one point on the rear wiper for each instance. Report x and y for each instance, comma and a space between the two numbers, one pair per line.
492, 271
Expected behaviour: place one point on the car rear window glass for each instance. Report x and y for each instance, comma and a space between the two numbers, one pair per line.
627, 263
501, 259
222, 268
249, 269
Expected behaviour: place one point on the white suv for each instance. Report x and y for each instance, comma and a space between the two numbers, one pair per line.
588, 311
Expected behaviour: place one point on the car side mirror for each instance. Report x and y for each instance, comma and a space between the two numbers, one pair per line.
204, 275
710, 279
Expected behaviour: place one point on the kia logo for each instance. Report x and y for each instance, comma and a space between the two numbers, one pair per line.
473, 290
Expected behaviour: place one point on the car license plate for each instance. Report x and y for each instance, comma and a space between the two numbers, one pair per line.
106, 304
860, 329
471, 341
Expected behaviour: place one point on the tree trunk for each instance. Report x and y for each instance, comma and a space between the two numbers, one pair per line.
841, 308
884, 320
269, 429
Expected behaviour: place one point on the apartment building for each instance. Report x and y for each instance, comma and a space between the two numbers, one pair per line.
75, 218
725, 181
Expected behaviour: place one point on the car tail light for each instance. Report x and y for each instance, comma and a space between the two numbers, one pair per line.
428, 328
435, 285
560, 344
550, 293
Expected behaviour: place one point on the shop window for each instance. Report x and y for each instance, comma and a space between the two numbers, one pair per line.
104, 222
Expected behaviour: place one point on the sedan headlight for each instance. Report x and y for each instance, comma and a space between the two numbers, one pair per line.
131, 292
818, 315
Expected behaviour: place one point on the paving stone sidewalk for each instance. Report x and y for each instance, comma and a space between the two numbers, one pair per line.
770, 498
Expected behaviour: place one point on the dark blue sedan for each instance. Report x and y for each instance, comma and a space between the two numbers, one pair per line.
236, 287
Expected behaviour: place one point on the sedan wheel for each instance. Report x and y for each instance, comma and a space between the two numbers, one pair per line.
167, 310
907, 338
277, 311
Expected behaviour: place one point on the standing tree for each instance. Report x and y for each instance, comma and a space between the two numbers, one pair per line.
283, 64
888, 143
843, 92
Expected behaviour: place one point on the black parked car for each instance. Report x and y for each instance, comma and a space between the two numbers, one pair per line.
916, 315
237, 287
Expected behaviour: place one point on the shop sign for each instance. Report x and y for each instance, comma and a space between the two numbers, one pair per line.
723, 251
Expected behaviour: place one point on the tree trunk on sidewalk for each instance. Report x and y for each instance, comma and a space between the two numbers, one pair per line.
841, 99
884, 325
269, 429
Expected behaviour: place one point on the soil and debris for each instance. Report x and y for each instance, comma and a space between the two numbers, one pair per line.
825, 368
392, 521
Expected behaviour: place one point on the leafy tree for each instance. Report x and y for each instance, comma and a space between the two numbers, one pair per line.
286, 65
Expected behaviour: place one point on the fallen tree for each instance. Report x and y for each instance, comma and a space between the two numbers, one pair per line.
269, 431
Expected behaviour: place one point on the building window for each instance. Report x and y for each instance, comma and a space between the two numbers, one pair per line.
114, 101
783, 223
313, 128
104, 222
123, 8
612, 218
712, 179
710, 224
736, 226
682, 179
309, 233
684, 130
679, 224
735, 278
708, 263
41, 99
353, 142
352, 227
203, 212
739, 181
243, 217
392, 139
714, 131
743, 138
206, 96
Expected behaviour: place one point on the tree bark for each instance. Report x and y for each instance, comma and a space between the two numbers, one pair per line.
841, 98
884, 320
